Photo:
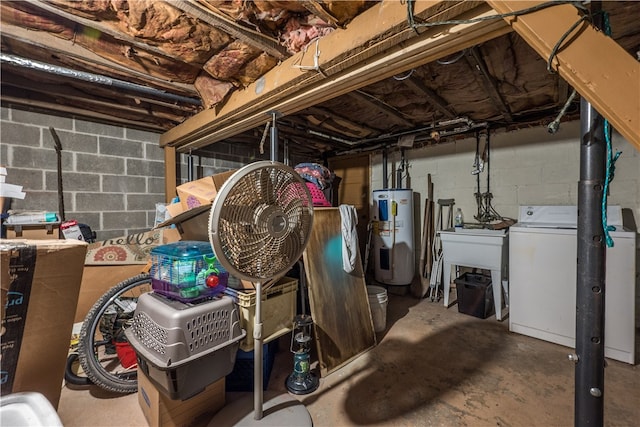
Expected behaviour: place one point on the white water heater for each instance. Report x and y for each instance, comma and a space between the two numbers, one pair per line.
393, 236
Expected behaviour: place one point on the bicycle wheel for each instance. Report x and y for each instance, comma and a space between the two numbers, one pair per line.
105, 355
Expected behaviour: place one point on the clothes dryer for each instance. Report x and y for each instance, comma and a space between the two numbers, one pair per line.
542, 279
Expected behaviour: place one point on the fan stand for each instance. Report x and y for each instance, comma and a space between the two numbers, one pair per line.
279, 410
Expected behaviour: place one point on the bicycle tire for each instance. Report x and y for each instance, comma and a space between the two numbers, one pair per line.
70, 377
88, 347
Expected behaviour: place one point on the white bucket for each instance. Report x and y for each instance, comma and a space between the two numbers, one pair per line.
378, 302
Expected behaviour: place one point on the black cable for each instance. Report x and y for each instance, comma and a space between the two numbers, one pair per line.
555, 49
488, 18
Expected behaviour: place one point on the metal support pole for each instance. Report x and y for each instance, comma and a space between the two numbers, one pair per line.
274, 136
590, 295
286, 152
385, 180
190, 166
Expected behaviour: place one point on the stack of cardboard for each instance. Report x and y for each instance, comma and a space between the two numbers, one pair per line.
39, 288
200, 192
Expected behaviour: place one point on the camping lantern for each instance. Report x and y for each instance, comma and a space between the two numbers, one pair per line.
301, 380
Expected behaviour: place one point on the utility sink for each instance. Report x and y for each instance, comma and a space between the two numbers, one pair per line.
478, 231
479, 248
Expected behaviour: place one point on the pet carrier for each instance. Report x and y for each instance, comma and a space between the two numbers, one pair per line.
184, 347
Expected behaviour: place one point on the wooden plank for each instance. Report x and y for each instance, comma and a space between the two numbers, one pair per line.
62, 48
430, 227
435, 100
419, 288
170, 175
378, 105
355, 189
490, 84
253, 38
343, 327
594, 64
97, 25
376, 45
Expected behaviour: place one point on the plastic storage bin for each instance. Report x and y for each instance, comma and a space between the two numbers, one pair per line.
241, 378
187, 271
278, 310
475, 295
183, 347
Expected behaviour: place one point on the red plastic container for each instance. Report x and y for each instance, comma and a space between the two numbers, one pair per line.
126, 354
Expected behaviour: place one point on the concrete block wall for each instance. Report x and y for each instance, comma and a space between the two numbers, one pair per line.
112, 176
527, 166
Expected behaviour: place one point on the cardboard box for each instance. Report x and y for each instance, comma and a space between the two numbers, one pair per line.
98, 279
159, 410
131, 249
201, 191
39, 231
40, 285
192, 224
175, 209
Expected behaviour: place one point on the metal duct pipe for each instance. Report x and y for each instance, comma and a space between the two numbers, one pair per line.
385, 180
94, 78
590, 285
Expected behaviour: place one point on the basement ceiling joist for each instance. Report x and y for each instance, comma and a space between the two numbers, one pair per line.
213, 71
605, 84
378, 44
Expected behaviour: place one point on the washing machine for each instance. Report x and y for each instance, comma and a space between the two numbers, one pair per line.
542, 279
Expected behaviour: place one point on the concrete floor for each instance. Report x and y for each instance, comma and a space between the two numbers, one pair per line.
432, 367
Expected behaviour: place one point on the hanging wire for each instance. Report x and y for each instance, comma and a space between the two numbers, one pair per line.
453, 60
414, 25
611, 160
556, 48
265, 132
585, 17
406, 76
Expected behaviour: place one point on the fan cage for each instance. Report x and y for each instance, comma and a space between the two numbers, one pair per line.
260, 221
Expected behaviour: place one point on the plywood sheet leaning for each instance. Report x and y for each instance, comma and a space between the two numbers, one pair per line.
343, 328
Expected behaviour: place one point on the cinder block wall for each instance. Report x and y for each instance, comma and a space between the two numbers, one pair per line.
112, 176
527, 167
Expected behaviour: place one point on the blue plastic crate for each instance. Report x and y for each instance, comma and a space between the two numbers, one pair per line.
241, 378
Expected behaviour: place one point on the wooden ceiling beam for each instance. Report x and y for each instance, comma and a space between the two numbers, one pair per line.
56, 46
353, 126
316, 8
369, 50
432, 98
246, 35
20, 100
594, 64
97, 25
377, 105
476, 62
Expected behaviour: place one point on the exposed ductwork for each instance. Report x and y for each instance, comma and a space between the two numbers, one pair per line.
93, 78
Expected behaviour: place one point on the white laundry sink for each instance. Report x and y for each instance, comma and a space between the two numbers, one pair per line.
474, 247
479, 248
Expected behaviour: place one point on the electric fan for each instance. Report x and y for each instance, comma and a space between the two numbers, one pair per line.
259, 225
